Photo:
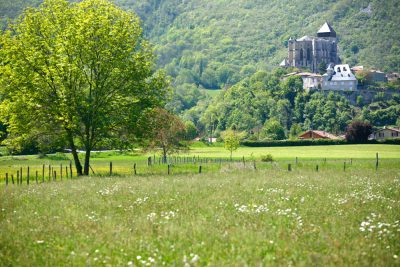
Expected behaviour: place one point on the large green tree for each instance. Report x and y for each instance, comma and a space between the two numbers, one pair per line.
77, 70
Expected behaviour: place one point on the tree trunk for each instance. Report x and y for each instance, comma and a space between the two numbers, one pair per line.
87, 162
164, 155
77, 162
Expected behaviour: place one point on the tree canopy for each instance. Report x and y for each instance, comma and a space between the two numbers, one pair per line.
163, 130
80, 71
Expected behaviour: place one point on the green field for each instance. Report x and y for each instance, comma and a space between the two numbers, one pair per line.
212, 93
231, 214
305, 152
198, 154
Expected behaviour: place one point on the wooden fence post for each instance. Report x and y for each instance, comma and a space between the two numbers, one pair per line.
66, 171
377, 161
6, 178
70, 169
27, 177
200, 169
296, 161
61, 171
112, 166
37, 177
12, 178
55, 176
169, 169
43, 174
134, 168
18, 177
289, 167
50, 172
317, 167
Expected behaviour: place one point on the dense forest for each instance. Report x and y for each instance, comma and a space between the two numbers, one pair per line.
236, 46
218, 43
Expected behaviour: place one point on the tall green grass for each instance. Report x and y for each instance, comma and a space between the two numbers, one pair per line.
232, 216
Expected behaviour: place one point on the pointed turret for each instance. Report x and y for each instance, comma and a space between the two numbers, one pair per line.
326, 31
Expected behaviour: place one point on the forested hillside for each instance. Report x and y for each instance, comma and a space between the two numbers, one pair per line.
236, 46
220, 42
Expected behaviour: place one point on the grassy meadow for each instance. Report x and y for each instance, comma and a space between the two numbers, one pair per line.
231, 214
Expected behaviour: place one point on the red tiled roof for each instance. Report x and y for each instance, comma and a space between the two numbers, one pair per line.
322, 134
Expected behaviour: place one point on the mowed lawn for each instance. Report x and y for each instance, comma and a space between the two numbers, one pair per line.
236, 216
123, 162
305, 152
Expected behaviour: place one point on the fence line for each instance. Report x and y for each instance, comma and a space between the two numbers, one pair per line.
174, 164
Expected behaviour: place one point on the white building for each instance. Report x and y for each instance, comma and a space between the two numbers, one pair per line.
339, 78
384, 133
311, 81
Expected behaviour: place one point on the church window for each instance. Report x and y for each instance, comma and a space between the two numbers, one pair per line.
301, 54
308, 54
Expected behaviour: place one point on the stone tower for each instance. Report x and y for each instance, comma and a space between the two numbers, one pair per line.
309, 52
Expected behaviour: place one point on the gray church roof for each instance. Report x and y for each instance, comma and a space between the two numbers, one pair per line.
310, 38
305, 38
326, 28
341, 72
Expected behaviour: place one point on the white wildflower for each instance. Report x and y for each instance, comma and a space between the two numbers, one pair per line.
195, 259
152, 216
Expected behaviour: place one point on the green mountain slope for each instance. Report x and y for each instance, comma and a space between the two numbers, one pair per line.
219, 42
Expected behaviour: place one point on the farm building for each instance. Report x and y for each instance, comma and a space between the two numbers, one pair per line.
313, 134
311, 81
372, 76
385, 132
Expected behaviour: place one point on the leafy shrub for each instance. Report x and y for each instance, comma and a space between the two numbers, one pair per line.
58, 156
315, 142
308, 142
267, 158
358, 132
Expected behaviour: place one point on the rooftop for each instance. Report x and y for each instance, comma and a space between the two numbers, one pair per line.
326, 28
341, 72
311, 38
326, 31
322, 134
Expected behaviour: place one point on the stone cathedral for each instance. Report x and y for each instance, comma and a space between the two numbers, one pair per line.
309, 52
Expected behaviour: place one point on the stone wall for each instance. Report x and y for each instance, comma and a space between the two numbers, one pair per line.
367, 94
